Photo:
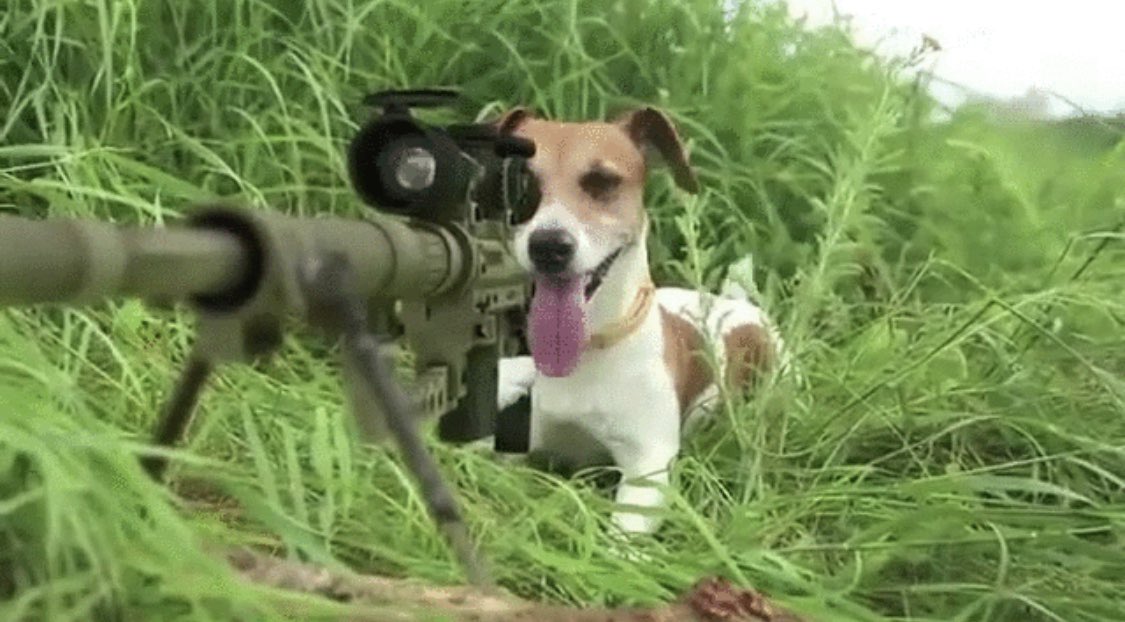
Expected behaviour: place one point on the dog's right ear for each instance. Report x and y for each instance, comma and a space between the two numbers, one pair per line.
655, 133
511, 120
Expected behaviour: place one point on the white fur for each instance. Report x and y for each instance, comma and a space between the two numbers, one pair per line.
620, 404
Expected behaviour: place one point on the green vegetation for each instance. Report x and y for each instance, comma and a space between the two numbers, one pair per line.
953, 294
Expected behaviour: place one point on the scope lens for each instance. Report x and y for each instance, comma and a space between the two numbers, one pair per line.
415, 169
521, 190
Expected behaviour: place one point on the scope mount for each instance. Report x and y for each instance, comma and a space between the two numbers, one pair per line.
402, 100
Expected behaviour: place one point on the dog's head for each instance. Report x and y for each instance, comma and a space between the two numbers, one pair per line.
591, 177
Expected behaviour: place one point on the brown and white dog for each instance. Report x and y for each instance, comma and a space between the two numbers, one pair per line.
617, 365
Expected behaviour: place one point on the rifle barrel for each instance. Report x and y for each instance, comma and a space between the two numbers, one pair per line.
218, 251
73, 261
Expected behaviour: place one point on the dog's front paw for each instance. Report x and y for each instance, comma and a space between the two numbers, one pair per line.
515, 376
630, 524
640, 504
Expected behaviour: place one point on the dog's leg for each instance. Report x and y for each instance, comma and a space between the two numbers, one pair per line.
644, 474
514, 377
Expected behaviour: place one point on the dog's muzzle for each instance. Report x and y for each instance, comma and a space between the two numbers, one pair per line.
551, 250
597, 275
557, 331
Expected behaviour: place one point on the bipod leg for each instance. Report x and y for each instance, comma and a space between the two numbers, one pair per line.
335, 305
178, 411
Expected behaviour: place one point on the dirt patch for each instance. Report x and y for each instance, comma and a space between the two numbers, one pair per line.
710, 600
390, 599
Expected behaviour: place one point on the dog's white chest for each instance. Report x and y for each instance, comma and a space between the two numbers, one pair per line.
618, 398
606, 387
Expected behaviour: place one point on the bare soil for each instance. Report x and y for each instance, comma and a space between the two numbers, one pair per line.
710, 600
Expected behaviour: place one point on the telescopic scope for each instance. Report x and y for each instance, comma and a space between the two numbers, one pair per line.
405, 167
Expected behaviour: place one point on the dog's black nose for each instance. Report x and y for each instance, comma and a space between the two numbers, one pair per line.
551, 250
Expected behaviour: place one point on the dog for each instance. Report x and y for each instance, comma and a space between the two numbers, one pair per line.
618, 369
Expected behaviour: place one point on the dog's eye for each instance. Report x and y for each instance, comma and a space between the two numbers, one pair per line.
599, 183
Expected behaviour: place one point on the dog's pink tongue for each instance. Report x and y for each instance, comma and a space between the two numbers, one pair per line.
557, 327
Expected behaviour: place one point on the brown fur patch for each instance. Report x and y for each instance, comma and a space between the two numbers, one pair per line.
749, 351
564, 152
683, 354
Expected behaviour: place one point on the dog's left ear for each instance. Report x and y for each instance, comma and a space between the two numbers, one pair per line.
510, 120
652, 130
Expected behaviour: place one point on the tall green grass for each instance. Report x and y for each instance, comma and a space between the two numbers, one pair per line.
952, 294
